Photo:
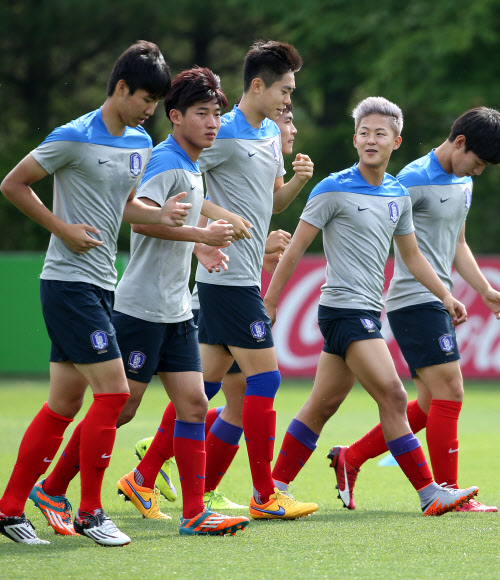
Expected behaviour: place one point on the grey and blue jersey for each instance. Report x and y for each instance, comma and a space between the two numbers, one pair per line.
358, 222
154, 286
94, 174
240, 171
440, 203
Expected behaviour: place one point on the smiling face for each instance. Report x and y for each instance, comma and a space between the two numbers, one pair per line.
288, 131
275, 98
375, 140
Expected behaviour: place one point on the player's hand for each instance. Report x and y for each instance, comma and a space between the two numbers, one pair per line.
240, 226
271, 261
457, 310
492, 300
271, 310
174, 213
211, 258
77, 238
219, 233
277, 241
303, 167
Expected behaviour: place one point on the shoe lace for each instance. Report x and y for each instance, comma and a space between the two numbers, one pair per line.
285, 497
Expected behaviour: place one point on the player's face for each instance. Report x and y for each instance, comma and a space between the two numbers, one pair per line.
136, 108
288, 131
466, 164
276, 97
199, 125
375, 140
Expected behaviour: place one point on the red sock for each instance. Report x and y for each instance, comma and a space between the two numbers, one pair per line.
161, 449
373, 443
97, 438
259, 426
442, 440
292, 457
219, 457
38, 447
410, 457
189, 449
211, 417
67, 467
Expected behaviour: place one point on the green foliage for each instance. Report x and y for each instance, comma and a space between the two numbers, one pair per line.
385, 537
435, 59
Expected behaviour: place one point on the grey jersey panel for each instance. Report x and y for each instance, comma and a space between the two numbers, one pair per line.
91, 185
439, 213
154, 286
357, 235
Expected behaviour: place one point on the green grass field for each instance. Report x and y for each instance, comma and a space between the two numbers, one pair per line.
385, 537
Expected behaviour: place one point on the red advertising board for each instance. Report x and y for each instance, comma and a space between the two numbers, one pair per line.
298, 339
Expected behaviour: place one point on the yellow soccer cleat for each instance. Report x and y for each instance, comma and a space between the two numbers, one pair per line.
281, 506
145, 499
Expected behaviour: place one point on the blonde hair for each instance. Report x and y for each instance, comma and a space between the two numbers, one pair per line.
379, 106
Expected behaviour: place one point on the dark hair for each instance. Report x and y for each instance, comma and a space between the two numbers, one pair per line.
481, 129
142, 66
191, 86
288, 108
269, 60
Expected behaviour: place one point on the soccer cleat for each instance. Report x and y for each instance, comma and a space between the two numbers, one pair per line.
163, 481
475, 506
281, 506
100, 528
446, 499
55, 508
209, 523
19, 529
215, 500
145, 499
346, 476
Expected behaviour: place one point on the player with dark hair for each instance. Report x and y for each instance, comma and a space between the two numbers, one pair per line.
360, 210
97, 162
440, 186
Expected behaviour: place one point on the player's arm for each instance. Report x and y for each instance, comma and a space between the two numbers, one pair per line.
285, 193
301, 240
171, 213
16, 187
276, 243
219, 233
418, 265
466, 265
240, 224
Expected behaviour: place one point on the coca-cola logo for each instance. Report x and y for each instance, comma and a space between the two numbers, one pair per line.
299, 341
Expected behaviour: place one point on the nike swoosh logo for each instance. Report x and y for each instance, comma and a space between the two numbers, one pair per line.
146, 504
252, 154
344, 495
102, 162
192, 187
443, 200
104, 456
362, 208
47, 460
280, 512
421, 464
452, 450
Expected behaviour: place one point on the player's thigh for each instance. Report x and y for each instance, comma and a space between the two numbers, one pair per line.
105, 377
187, 393
216, 361
255, 361
332, 383
372, 364
444, 381
67, 389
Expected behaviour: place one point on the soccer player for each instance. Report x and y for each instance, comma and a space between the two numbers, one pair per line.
440, 186
97, 162
244, 174
360, 210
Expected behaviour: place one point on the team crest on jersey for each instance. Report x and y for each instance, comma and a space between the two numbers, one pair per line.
99, 340
258, 330
446, 343
468, 198
135, 164
368, 324
136, 360
394, 212
276, 151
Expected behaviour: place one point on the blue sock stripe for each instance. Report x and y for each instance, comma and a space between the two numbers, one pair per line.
211, 389
403, 444
188, 430
303, 434
226, 432
263, 384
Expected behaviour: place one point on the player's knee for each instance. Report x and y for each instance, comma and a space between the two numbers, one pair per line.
394, 398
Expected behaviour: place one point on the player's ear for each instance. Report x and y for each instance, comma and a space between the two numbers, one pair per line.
397, 142
121, 88
257, 85
175, 116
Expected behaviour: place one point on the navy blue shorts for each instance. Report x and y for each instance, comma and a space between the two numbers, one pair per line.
341, 326
233, 316
425, 335
78, 320
155, 347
